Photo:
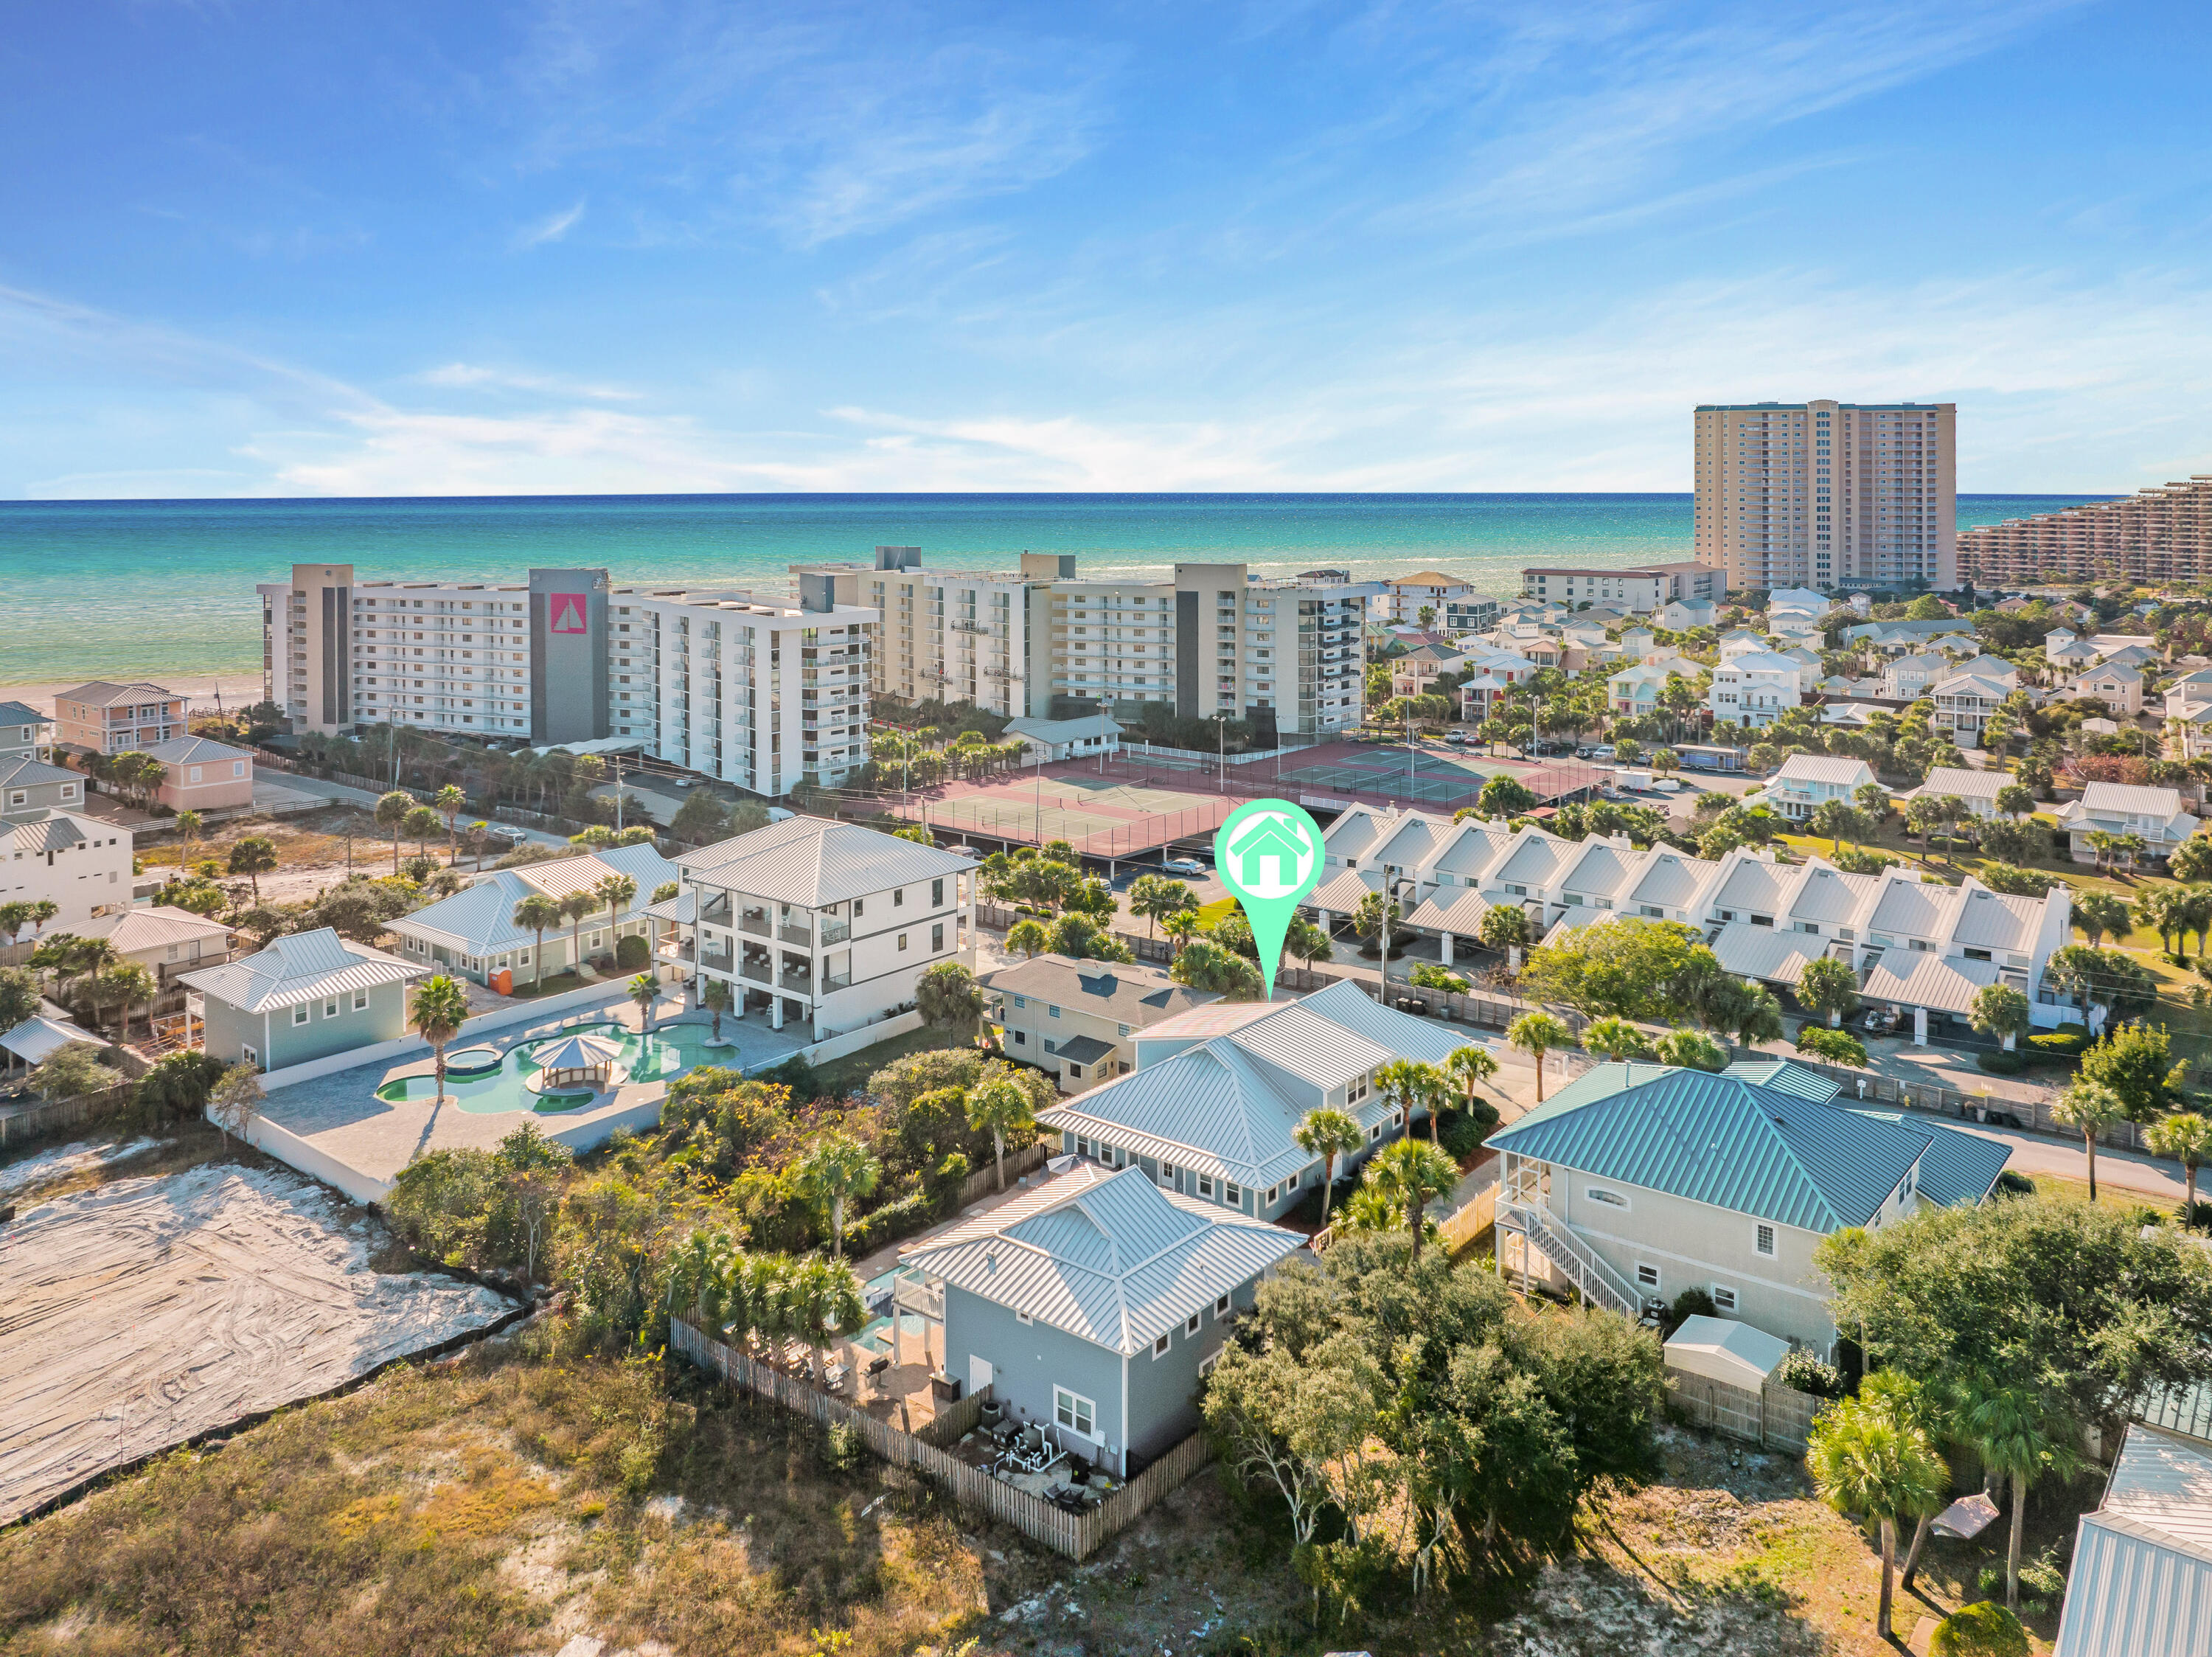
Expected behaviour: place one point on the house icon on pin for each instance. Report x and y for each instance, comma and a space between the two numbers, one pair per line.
1270, 841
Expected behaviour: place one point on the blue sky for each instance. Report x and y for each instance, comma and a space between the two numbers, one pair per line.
361, 248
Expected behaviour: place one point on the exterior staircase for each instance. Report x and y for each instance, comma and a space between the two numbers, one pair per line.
1600, 1284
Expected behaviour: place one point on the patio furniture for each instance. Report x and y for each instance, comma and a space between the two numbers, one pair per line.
835, 1377
877, 1366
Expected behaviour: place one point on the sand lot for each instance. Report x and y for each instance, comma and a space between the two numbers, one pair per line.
142, 1312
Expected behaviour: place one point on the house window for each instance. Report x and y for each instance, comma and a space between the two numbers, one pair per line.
1232, 1196
1205, 1364
1021, 1039
300, 1014
1051, 1011
330, 1008
1221, 1307
901, 940
1160, 1346
1206, 1185
360, 1001
898, 898
1190, 1326
1723, 1297
936, 940
246, 1055
1073, 1412
1647, 1277
1611, 1199
1021, 1001
1075, 1070
1764, 1242
1273, 1191
936, 894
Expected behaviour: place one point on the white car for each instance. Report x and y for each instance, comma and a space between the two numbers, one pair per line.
1189, 866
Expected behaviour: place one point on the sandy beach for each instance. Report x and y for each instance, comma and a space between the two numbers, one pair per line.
240, 690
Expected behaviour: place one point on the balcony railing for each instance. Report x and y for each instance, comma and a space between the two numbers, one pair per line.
756, 921
713, 961
756, 970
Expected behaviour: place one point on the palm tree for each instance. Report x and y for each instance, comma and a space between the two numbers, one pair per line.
2187, 1138
1155, 896
14, 917
189, 825
1178, 925
1405, 1082
1615, 1039
1470, 1066
574, 907
2001, 1011
2019, 1433
2090, 1109
1832, 818
392, 817
999, 1105
1408, 1174
437, 1010
419, 826
1862, 1463
449, 801
43, 910
127, 984
539, 913
1331, 1134
2100, 912
715, 995
1029, 936
253, 857
644, 989
1537, 1035
617, 892
1691, 1050
835, 1169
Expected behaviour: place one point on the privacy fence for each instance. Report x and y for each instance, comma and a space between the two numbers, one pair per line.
1076, 1535
1774, 1418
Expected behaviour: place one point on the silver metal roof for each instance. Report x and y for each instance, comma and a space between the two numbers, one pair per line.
303, 967
1108, 1257
813, 862
2142, 1577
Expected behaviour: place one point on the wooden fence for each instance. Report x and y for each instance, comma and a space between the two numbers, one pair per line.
985, 1180
2034, 1114
21, 1123
1776, 1418
1460, 1229
1076, 1535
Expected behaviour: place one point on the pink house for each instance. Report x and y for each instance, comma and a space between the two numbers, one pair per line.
204, 775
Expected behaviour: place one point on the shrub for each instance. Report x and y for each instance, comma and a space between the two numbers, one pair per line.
1462, 1133
796, 1073
1986, 1629
903, 1218
2197, 1218
2000, 1064
2064, 1042
2013, 1183
1861, 860
1807, 1374
1692, 1303
633, 953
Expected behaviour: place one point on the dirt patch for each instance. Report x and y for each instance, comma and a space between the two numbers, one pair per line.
44, 1169
146, 1312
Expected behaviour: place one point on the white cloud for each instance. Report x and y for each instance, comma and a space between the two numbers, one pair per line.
549, 229
477, 376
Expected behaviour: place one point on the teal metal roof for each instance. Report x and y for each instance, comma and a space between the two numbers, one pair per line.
1786, 1075
1958, 1167
1720, 1139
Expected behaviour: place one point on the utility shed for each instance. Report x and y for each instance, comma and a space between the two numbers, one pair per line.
1721, 1350
2141, 1580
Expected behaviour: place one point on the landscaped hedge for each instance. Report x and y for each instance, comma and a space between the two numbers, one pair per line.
2064, 1042
2000, 1064
632, 953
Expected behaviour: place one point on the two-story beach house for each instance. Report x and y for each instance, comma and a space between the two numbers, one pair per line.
824, 920
25, 731
2157, 816
1094, 1305
1808, 781
1075, 1019
1964, 705
307, 995
1976, 791
101, 717
1639, 691
1218, 1092
1638, 1181
1907, 679
28, 783
2119, 686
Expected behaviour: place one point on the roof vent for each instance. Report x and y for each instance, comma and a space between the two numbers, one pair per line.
990, 1260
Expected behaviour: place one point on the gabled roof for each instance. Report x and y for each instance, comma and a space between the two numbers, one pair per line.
1533, 861
1210, 1107
2140, 1580
1718, 1140
1109, 1257
17, 712
302, 968
1964, 784
1941, 983
102, 693
814, 862
1130, 994
479, 919
1996, 920
1961, 1167
35, 832
1977, 684
1786, 1075
2110, 674
154, 927
38, 1038
1670, 879
2128, 800
1825, 768
21, 771
1765, 953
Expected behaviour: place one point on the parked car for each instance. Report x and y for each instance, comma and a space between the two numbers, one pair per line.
1189, 866
505, 833
1603, 751
1459, 736
1879, 1020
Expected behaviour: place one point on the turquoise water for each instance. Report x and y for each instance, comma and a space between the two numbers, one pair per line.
108, 587
656, 1057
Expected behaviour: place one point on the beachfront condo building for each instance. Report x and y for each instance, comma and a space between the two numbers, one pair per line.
1828, 494
1284, 653
759, 691
2154, 536
1643, 591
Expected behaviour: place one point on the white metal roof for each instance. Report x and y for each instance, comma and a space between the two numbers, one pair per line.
2129, 800
1939, 983
479, 919
1051, 731
813, 862
37, 1039
1722, 1349
2141, 1581
1109, 1257
154, 928
1766, 954
1964, 784
302, 968
1824, 768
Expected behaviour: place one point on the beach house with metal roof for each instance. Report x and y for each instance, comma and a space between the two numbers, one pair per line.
1075, 1020
473, 934
828, 922
1094, 1305
28, 783
1210, 1111
1809, 781
305, 996
204, 775
2154, 815
81, 865
1977, 790
2140, 1580
1638, 1181
24, 730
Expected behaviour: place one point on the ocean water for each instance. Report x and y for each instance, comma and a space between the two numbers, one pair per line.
100, 588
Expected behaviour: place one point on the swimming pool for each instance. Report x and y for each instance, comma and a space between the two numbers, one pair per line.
875, 1293
492, 1084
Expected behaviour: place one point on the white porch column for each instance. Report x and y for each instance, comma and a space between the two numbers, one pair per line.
2008, 1040
1320, 918
1446, 938
1919, 1027
774, 1011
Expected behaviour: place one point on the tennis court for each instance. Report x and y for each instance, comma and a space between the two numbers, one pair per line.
1100, 816
1425, 777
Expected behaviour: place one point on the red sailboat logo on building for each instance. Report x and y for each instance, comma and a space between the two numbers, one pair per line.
567, 612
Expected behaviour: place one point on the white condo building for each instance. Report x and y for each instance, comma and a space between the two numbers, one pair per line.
1828, 494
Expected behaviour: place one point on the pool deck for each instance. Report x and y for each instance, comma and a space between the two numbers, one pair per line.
339, 1116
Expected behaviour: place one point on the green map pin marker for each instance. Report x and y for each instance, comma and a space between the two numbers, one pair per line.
1268, 854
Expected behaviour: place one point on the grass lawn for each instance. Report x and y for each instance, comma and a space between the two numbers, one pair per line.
1212, 914
841, 1077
